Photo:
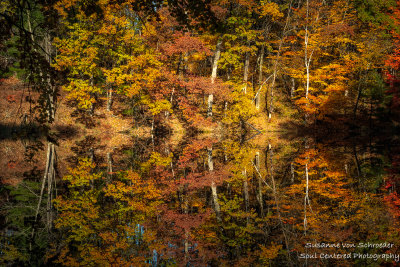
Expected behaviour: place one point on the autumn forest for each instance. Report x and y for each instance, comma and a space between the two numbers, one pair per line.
200, 133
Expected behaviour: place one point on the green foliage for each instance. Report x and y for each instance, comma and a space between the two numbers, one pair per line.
12, 55
375, 12
375, 87
20, 214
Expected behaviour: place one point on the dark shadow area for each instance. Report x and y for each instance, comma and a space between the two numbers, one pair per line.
34, 131
21, 131
65, 131
340, 130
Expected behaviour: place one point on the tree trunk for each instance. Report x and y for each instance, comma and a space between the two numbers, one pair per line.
92, 159
306, 199
109, 98
246, 193
186, 211
269, 157
259, 195
210, 103
358, 94
50, 92
359, 171
246, 71
225, 107
215, 201
292, 172
217, 55
109, 168
210, 160
213, 186
292, 88
48, 176
260, 75
270, 109
91, 108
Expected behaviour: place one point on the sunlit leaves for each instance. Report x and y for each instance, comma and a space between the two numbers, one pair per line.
105, 55
82, 175
328, 61
157, 106
269, 8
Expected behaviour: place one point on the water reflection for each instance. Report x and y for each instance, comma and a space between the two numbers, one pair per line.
205, 202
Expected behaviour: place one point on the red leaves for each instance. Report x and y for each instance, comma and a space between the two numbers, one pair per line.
191, 113
393, 201
220, 12
11, 164
184, 221
393, 62
388, 185
185, 43
192, 90
338, 28
203, 85
200, 180
11, 98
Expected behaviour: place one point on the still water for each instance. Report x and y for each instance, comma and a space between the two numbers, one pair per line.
202, 201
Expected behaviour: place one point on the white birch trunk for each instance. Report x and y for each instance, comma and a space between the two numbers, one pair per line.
217, 55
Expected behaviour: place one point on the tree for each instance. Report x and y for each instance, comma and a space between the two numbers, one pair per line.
328, 61
393, 63
29, 29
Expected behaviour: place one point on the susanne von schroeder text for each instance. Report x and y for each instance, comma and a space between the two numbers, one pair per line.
349, 245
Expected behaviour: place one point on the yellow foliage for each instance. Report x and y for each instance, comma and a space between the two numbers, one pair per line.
269, 253
269, 8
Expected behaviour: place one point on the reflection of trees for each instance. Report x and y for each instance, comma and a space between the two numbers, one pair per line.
230, 181
392, 198
217, 196
204, 202
188, 179
99, 219
268, 211
27, 210
334, 209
